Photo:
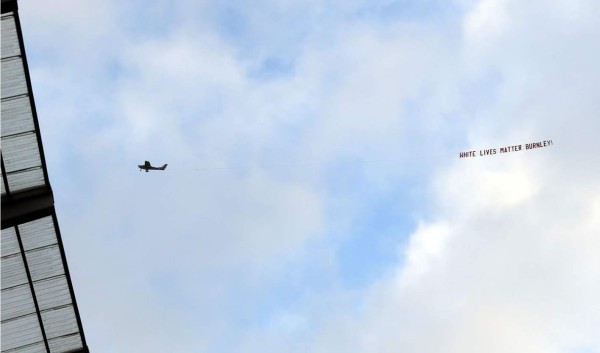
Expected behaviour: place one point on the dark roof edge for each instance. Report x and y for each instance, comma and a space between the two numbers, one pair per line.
9, 6
83, 349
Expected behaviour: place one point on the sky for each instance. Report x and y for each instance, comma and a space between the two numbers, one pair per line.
314, 199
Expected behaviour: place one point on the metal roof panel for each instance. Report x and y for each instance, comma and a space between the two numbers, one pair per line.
17, 301
21, 332
38, 233
45, 262
10, 38
20, 152
10, 244
13, 271
13, 78
60, 322
52, 293
17, 117
65, 343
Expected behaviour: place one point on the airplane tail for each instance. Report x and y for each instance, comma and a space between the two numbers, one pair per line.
163, 167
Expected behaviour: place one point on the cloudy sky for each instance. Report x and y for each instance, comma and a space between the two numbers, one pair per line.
314, 199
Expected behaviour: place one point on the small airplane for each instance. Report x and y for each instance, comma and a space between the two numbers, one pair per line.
146, 166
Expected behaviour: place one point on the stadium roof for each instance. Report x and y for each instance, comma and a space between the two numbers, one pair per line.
39, 310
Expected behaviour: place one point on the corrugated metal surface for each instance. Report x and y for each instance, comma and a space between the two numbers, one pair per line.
65, 343
10, 39
19, 318
13, 271
13, 78
21, 332
25, 180
59, 322
44, 263
17, 301
52, 293
38, 233
16, 116
20, 152
10, 244
33, 348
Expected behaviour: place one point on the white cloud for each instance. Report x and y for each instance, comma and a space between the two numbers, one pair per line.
488, 20
508, 261
521, 278
425, 246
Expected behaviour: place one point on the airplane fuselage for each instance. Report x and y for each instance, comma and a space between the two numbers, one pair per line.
147, 167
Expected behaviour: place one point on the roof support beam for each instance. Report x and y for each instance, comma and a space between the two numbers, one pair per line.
27, 209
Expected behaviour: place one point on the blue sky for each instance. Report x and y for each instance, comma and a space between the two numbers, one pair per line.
314, 199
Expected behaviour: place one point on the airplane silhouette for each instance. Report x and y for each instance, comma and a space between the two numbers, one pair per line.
146, 166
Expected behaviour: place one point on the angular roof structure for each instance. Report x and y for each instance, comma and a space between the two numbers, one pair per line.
39, 310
